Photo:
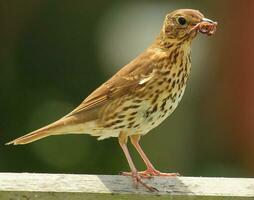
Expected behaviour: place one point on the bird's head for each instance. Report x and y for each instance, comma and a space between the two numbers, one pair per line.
184, 24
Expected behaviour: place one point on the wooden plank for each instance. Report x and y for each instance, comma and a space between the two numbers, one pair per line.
27, 186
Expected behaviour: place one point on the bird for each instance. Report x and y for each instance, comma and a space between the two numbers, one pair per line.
140, 96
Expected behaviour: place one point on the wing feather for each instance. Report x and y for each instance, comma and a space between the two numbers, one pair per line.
124, 81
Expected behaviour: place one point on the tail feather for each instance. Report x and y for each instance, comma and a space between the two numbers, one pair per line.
51, 129
31, 137
65, 125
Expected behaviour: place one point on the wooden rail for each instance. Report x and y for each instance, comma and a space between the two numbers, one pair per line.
26, 186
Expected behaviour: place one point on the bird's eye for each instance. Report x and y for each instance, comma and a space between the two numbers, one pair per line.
181, 21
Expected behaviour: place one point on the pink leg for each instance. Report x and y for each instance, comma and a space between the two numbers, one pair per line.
150, 171
134, 173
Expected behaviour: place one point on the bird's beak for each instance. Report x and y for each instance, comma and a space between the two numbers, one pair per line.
208, 20
206, 26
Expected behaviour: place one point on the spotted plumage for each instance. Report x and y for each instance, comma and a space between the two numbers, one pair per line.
141, 95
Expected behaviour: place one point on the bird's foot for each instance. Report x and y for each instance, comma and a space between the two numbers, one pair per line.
137, 179
141, 174
150, 172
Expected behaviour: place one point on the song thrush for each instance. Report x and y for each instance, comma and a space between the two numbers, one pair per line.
141, 95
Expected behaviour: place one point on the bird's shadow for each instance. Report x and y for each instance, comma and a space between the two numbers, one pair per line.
165, 185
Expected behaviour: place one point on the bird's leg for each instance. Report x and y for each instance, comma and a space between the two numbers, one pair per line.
134, 173
150, 171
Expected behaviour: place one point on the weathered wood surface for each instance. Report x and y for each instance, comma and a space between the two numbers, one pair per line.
26, 186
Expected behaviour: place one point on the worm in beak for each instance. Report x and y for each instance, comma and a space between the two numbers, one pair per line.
206, 26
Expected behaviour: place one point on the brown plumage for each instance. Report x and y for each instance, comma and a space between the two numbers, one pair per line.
141, 95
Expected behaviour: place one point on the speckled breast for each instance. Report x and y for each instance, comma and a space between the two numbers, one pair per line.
148, 107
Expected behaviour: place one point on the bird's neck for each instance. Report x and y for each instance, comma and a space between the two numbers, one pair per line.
167, 44
175, 55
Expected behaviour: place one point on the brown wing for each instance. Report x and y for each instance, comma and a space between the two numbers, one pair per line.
124, 81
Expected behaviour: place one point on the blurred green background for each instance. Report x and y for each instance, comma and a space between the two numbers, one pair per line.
54, 53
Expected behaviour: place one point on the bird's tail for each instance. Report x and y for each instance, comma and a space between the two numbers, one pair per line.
28, 138
68, 124
46, 131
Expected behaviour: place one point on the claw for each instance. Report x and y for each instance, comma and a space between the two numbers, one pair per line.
137, 179
150, 173
142, 175
154, 172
